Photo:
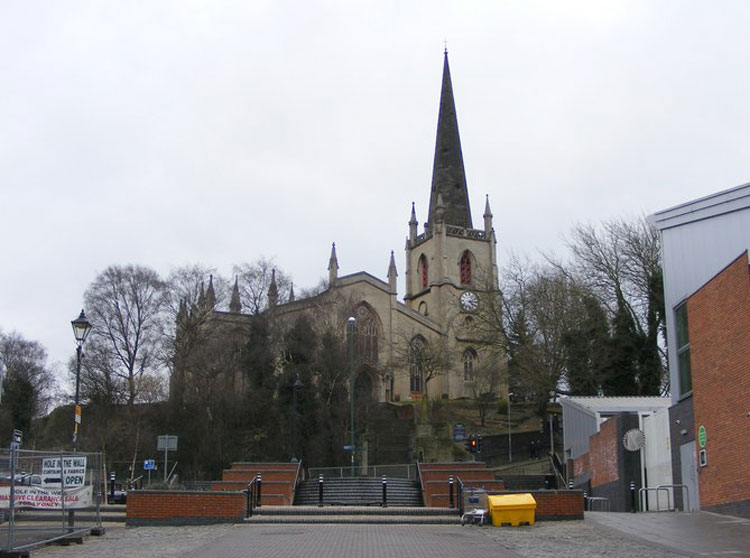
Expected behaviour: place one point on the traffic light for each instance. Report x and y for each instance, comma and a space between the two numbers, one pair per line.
467, 443
480, 444
473, 444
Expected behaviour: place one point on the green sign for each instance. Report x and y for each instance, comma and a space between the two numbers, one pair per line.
702, 436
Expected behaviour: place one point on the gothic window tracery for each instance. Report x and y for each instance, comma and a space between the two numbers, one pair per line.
469, 358
366, 337
465, 268
416, 364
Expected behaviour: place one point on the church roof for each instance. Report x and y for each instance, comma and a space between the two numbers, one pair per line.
448, 175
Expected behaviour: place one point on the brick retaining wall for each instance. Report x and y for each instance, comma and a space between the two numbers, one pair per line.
554, 505
164, 507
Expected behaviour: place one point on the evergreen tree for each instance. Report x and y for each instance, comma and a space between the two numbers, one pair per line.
586, 347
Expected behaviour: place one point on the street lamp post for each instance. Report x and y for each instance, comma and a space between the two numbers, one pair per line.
296, 388
351, 324
81, 329
510, 450
551, 424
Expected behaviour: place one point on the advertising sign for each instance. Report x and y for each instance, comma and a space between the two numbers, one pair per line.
47, 498
71, 475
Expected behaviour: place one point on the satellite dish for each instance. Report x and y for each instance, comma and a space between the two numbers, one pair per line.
634, 439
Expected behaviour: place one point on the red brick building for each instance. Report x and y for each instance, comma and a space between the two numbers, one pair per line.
719, 333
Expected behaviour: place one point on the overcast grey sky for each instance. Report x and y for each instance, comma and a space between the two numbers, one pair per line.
172, 132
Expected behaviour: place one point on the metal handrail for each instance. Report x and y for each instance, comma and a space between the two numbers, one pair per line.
557, 465
405, 470
253, 494
460, 494
657, 489
685, 506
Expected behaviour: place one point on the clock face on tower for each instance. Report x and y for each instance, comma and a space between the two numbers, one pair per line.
469, 301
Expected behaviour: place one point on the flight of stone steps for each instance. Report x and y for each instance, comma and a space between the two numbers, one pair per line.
359, 491
354, 515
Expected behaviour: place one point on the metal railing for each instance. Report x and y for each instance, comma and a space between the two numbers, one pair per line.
685, 503
593, 502
49, 496
253, 492
405, 471
460, 494
644, 492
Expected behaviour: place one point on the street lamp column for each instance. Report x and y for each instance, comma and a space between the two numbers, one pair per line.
510, 444
81, 329
296, 388
351, 324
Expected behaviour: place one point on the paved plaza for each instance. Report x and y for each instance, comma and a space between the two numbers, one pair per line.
611, 535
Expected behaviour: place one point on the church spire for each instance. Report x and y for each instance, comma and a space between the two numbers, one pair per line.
448, 176
487, 217
392, 273
333, 267
273, 291
210, 293
291, 293
413, 224
235, 305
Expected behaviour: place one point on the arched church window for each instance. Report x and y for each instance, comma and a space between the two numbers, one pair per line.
423, 271
465, 268
470, 358
366, 337
416, 364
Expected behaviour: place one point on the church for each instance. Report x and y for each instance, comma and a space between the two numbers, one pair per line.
442, 339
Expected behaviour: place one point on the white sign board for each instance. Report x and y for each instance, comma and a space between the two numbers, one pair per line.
72, 474
166, 443
47, 498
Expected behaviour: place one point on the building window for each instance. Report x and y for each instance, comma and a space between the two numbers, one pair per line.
423, 271
366, 337
683, 349
423, 308
465, 268
388, 380
416, 365
470, 357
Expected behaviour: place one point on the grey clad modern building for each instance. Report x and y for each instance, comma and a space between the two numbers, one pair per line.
705, 246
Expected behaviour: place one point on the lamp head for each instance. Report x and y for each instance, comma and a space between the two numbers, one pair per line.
81, 328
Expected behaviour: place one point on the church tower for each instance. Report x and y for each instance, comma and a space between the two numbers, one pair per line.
450, 262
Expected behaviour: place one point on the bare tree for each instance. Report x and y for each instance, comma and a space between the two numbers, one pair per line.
542, 305
485, 381
423, 359
255, 279
126, 308
620, 262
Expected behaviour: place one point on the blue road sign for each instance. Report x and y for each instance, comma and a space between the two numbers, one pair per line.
149, 465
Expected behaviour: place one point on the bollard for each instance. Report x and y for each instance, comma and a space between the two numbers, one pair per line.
632, 496
585, 501
257, 494
112, 487
385, 492
320, 490
570, 484
450, 492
